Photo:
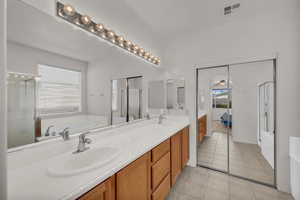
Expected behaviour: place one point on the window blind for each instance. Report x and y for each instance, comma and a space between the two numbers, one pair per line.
59, 90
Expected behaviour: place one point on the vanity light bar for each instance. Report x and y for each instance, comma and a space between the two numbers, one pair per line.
21, 75
68, 13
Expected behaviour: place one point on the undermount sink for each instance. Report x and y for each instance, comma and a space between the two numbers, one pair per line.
71, 164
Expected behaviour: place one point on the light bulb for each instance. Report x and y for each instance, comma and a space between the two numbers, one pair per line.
141, 52
147, 54
120, 39
86, 20
99, 28
110, 34
136, 48
69, 10
128, 44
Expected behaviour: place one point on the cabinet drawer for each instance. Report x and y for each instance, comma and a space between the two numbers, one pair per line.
103, 191
160, 150
163, 189
160, 169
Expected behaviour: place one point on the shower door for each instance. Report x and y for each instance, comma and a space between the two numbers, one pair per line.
20, 110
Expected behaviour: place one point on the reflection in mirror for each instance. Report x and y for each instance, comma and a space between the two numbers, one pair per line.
48, 91
126, 101
175, 94
169, 94
21, 94
157, 95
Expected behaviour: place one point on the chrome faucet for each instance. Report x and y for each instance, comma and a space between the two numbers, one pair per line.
82, 141
160, 118
65, 134
48, 131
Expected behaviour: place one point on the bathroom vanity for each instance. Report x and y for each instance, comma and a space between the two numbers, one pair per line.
151, 176
150, 158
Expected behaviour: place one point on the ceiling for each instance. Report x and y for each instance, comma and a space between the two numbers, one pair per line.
151, 24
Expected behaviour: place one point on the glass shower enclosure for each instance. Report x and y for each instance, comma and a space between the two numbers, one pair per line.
21, 107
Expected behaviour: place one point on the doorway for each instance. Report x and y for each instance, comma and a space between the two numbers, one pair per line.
236, 115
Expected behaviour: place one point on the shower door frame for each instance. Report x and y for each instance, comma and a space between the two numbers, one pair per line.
197, 70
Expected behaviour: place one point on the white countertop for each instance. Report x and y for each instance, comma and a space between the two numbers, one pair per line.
27, 169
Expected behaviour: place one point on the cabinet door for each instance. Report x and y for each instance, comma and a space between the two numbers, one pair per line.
185, 146
104, 191
134, 181
175, 157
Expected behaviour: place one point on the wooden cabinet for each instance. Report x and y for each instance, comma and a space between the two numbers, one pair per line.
133, 182
163, 189
103, 191
160, 170
175, 157
185, 147
150, 176
202, 128
160, 150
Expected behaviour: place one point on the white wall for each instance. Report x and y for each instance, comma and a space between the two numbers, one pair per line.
100, 74
245, 79
275, 30
25, 59
3, 148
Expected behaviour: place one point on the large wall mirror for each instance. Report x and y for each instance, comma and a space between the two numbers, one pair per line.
52, 85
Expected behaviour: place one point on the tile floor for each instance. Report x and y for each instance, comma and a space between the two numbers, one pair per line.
196, 183
245, 159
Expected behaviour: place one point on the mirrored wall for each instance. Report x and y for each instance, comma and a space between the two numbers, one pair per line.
54, 83
236, 120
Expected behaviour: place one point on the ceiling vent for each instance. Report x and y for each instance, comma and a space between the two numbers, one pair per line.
229, 9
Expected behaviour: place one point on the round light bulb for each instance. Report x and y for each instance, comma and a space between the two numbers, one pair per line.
86, 20
147, 54
120, 39
136, 48
110, 34
99, 28
141, 52
128, 44
69, 10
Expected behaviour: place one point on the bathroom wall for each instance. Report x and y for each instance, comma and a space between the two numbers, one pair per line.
25, 59
3, 148
248, 35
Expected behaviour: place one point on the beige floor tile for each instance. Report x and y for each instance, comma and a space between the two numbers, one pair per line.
200, 183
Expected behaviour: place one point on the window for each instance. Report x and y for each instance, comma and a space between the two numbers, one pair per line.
221, 98
59, 90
